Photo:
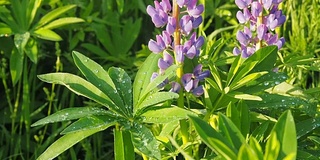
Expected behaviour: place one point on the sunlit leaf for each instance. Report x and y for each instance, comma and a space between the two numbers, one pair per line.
219, 144
53, 14
62, 22
165, 114
156, 98
67, 141
99, 77
144, 141
81, 87
71, 114
123, 85
123, 147
143, 76
47, 34
286, 134
90, 122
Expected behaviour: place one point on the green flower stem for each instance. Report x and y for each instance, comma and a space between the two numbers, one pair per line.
177, 41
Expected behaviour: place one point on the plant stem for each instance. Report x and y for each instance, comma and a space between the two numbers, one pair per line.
177, 41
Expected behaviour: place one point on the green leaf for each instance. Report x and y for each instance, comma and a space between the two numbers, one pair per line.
245, 80
16, 65
266, 58
71, 114
233, 69
123, 85
123, 147
67, 141
144, 141
153, 85
5, 30
276, 101
256, 147
53, 14
219, 144
246, 152
47, 34
98, 77
272, 147
31, 50
230, 131
81, 87
90, 122
165, 114
62, 22
154, 99
306, 126
21, 40
143, 77
32, 10
286, 134
243, 96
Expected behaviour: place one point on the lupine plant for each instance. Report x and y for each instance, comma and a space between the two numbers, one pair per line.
174, 108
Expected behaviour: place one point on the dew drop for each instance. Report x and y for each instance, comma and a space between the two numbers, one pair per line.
86, 60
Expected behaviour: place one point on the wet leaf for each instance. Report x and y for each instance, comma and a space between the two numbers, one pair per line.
98, 77
144, 141
90, 122
123, 85
81, 87
154, 99
143, 77
71, 114
165, 114
67, 141
47, 34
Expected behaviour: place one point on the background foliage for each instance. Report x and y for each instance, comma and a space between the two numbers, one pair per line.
38, 37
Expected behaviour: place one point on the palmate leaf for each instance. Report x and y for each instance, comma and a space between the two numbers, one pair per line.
81, 87
165, 114
99, 77
67, 141
144, 141
71, 114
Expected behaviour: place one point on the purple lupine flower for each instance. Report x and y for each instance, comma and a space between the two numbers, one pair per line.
262, 25
165, 62
190, 19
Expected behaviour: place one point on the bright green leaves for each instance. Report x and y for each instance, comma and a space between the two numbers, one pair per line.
128, 107
144, 141
145, 91
228, 142
67, 141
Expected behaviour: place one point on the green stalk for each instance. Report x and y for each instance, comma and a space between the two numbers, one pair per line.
26, 104
177, 41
